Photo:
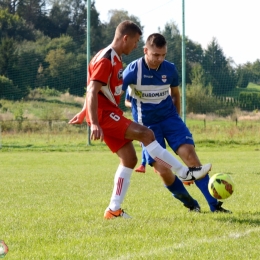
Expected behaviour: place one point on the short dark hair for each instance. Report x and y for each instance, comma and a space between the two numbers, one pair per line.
156, 39
128, 27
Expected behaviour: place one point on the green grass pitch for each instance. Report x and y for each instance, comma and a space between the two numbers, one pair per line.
52, 206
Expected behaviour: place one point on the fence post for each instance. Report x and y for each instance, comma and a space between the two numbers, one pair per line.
183, 85
88, 34
0, 136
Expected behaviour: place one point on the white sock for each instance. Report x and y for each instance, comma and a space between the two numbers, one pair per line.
121, 184
164, 157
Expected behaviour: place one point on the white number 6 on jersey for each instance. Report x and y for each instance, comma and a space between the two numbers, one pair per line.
115, 117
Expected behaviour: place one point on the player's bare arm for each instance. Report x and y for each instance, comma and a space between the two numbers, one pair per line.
78, 118
176, 98
128, 103
92, 106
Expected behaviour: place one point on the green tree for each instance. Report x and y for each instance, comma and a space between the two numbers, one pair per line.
63, 57
116, 17
59, 20
197, 75
24, 71
218, 71
8, 90
194, 51
174, 46
9, 5
7, 56
31, 10
255, 72
12, 26
97, 30
243, 76
63, 42
77, 26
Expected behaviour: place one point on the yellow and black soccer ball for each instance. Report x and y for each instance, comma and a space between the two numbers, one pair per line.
221, 186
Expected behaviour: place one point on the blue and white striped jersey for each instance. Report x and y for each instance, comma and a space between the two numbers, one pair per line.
148, 91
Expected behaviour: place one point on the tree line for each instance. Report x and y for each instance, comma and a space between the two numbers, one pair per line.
43, 44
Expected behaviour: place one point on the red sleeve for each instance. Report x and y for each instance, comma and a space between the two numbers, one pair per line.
101, 70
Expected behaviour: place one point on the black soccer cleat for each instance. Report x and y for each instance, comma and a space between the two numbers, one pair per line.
219, 208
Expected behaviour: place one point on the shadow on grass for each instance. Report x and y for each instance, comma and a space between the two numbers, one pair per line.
250, 218
49, 148
54, 148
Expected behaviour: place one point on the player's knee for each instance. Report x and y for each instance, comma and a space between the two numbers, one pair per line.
134, 160
131, 162
147, 136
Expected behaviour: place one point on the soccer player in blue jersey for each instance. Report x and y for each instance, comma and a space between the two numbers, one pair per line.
152, 85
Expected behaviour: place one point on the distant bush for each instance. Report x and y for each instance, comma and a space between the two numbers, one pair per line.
200, 100
43, 92
249, 101
8, 90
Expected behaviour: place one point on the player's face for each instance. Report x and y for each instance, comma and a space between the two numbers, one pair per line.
155, 56
130, 43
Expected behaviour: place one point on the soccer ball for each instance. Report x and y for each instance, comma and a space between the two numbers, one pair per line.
3, 249
221, 186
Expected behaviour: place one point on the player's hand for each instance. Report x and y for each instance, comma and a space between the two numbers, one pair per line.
78, 118
96, 132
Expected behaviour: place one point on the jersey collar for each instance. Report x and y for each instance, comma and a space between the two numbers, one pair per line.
146, 65
119, 57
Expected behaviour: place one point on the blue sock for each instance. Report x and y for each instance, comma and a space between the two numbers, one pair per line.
202, 184
143, 158
178, 190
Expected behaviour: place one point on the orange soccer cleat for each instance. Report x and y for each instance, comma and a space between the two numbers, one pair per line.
141, 168
187, 183
109, 214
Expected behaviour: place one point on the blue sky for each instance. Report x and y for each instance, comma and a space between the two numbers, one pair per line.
235, 23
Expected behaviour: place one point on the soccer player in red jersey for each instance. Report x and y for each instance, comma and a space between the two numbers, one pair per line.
107, 123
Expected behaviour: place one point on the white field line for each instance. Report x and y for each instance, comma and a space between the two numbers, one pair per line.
185, 244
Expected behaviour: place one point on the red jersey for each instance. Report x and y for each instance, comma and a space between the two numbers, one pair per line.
107, 67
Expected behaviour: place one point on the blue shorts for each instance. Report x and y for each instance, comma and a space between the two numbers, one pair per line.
174, 131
